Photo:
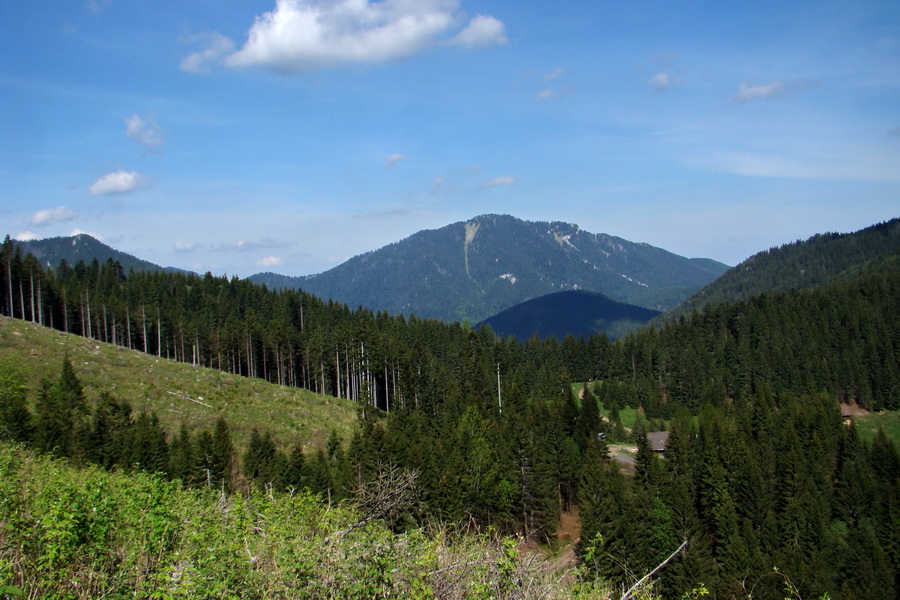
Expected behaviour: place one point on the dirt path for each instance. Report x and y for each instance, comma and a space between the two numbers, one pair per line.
568, 535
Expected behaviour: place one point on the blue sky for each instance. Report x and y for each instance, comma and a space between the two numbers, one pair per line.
238, 137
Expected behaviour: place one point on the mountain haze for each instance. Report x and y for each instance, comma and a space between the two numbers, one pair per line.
472, 270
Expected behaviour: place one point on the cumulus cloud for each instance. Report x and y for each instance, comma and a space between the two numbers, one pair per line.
665, 80
118, 182
144, 131
269, 261
305, 35
498, 181
215, 45
392, 160
52, 216
482, 30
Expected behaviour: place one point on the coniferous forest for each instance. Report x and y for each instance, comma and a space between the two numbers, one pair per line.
763, 491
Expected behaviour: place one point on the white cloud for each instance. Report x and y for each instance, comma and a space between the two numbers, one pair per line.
844, 161
665, 80
216, 46
96, 6
305, 35
392, 160
144, 131
545, 94
97, 237
27, 236
269, 261
482, 30
52, 216
498, 181
180, 246
554, 74
746, 93
119, 182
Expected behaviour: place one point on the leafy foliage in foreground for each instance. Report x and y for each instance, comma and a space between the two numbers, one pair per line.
69, 533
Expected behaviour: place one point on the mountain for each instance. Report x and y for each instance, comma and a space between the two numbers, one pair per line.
472, 270
51, 252
800, 265
575, 312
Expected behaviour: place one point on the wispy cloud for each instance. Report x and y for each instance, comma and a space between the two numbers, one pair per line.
775, 89
306, 35
554, 74
392, 160
499, 181
144, 131
252, 246
384, 214
551, 92
665, 80
180, 246
845, 161
52, 216
96, 6
215, 46
118, 182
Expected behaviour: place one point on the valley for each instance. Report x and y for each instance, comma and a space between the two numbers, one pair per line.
234, 391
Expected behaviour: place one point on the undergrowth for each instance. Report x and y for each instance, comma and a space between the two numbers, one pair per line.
73, 533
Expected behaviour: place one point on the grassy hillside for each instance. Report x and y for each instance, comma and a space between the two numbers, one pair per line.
174, 390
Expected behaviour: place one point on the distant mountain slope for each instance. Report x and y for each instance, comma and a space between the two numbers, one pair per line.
799, 265
51, 252
472, 270
576, 312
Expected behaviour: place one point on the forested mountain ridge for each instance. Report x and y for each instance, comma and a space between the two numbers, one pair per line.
798, 265
575, 312
50, 252
760, 472
473, 270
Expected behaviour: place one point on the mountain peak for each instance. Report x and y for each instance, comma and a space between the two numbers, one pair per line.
473, 269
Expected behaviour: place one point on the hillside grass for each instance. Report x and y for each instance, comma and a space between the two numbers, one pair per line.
628, 416
867, 425
889, 420
149, 383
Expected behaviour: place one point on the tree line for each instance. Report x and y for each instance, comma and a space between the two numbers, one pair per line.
759, 474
